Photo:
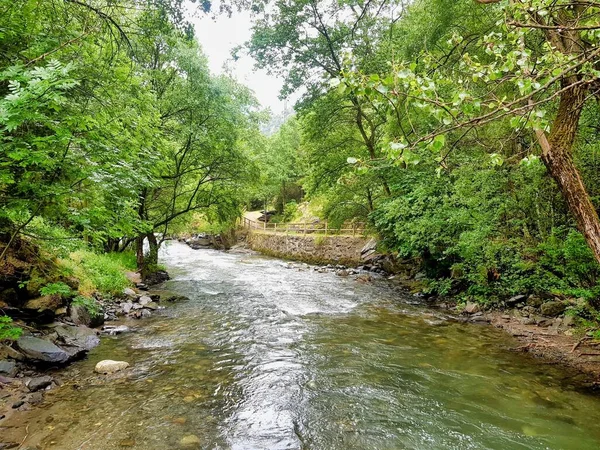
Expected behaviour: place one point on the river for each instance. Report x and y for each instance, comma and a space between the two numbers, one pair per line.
268, 355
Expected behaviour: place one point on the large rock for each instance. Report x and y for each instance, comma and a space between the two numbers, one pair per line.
8, 368
130, 293
109, 366
534, 301
144, 300
41, 350
553, 309
76, 341
80, 316
151, 305
156, 277
516, 299
37, 383
42, 309
369, 251
471, 308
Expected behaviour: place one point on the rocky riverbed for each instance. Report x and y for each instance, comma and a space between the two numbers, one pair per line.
33, 364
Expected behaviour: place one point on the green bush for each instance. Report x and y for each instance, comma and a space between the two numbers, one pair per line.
104, 273
90, 304
9, 332
289, 211
59, 288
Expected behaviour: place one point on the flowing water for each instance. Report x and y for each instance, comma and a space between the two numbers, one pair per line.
265, 356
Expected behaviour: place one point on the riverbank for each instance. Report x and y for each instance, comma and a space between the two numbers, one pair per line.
38, 362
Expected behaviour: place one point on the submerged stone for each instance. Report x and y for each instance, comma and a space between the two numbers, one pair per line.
108, 366
190, 440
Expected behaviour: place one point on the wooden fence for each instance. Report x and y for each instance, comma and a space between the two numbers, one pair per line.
323, 228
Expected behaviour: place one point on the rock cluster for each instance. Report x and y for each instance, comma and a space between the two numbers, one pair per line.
528, 310
133, 305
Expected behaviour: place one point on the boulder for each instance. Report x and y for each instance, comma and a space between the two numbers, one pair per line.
369, 251
41, 350
80, 316
108, 366
128, 292
516, 299
534, 301
42, 309
553, 308
342, 273
127, 306
8, 368
38, 383
112, 330
156, 277
10, 353
151, 305
144, 300
471, 308
76, 341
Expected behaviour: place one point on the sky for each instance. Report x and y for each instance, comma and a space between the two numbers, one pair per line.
218, 37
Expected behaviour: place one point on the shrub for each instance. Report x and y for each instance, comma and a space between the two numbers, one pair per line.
9, 332
90, 304
99, 272
59, 288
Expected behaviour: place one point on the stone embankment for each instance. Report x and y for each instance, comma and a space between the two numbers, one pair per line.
310, 248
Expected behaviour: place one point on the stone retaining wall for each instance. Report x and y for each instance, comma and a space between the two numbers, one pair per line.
315, 249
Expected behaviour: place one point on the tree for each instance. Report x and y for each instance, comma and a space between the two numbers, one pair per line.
539, 67
307, 42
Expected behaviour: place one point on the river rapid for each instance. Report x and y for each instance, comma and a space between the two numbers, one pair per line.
271, 355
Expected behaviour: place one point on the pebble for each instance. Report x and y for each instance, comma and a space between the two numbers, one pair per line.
110, 366
190, 440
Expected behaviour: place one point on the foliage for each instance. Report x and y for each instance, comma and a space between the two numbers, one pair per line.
59, 288
104, 273
289, 211
430, 124
9, 332
90, 304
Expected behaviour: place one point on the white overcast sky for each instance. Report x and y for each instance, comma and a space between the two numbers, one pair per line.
218, 37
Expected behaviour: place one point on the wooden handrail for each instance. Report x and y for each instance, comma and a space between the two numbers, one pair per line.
302, 227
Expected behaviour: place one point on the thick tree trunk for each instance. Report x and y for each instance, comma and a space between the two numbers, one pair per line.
152, 256
558, 158
147, 262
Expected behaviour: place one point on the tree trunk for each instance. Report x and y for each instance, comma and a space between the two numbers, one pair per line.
139, 252
558, 158
152, 256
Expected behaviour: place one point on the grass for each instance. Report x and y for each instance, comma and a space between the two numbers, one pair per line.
103, 273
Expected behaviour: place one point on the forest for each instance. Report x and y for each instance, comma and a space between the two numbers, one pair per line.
463, 133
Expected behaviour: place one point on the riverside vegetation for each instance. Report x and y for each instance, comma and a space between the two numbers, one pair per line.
463, 133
